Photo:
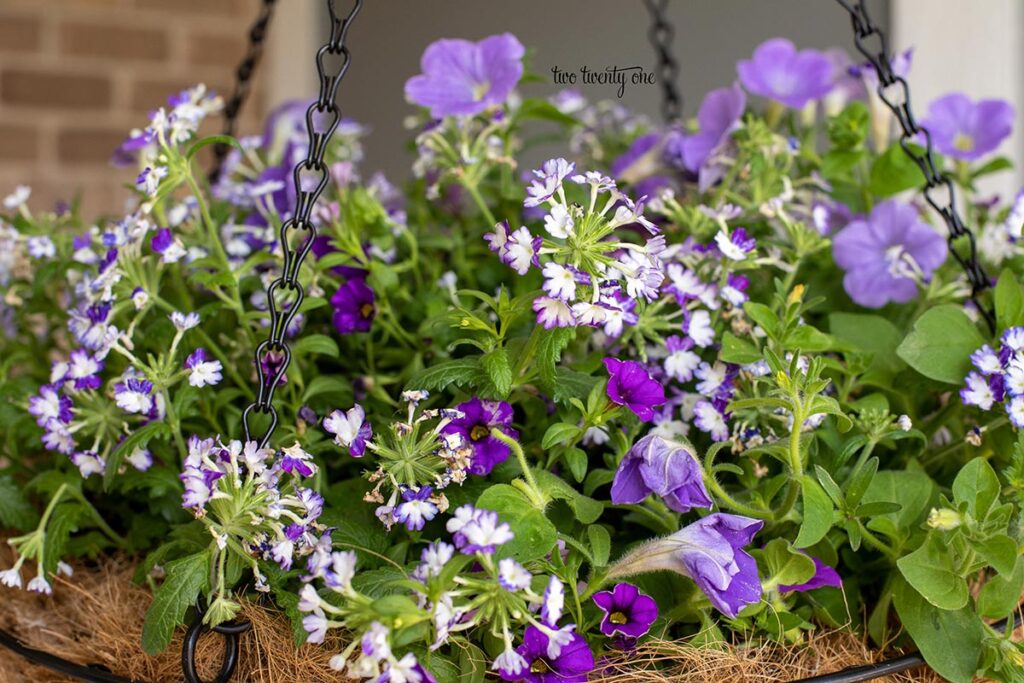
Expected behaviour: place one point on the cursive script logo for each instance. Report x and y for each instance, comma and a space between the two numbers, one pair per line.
619, 76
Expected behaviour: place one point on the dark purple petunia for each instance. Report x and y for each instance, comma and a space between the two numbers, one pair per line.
354, 307
462, 78
627, 611
824, 575
968, 130
779, 71
665, 468
479, 417
572, 665
631, 385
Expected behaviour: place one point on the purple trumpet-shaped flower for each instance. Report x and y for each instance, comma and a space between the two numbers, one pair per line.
354, 307
350, 429
572, 665
718, 115
631, 385
665, 468
824, 575
461, 78
968, 130
709, 551
478, 418
780, 72
887, 254
627, 611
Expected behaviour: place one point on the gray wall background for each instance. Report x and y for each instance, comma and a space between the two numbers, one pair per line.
711, 35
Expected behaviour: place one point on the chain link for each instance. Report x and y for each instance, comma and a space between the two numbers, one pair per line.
243, 83
939, 190
661, 34
285, 294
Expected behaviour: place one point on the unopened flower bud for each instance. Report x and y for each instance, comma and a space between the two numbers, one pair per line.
904, 423
944, 519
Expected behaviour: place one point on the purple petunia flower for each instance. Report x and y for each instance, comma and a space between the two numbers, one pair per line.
461, 78
640, 160
718, 115
665, 468
631, 385
354, 307
887, 254
350, 429
824, 575
572, 665
627, 611
968, 130
478, 418
780, 72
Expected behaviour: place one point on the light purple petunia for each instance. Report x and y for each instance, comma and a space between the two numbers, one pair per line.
887, 254
780, 72
718, 115
478, 418
462, 78
627, 611
630, 385
968, 130
665, 468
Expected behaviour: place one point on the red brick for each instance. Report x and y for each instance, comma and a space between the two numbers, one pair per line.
19, 33
18, 143
54, 89
182, 7
88, 145
210, 49
113, 42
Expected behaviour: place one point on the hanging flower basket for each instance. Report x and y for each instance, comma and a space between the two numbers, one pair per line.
720, 399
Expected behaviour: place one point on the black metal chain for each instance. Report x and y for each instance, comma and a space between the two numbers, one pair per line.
243, 83
661, 34
285, 294
939, 190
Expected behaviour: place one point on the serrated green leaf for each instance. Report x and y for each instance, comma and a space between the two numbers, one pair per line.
499, 370
15, 510
187, 577
550, 345
459, 372
137, 439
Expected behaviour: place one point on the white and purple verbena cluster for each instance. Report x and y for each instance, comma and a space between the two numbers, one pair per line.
998, 377
456, 587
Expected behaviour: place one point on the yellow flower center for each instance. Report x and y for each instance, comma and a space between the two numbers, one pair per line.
539, 666
618, 618
963, 142
480, 89
366, 310
478, 432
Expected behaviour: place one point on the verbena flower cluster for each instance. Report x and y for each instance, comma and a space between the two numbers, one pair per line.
690, 381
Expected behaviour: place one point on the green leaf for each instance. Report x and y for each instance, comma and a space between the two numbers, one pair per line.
949, 640
874, 335
912, 490
807, 338
187, 577
817, 514
763, 316
600, 544
558, 434
977, 486
941, 344
15, 510
137, 439
577, 461
535, 536
893, 172
550, 345
1001, 594
1009, 301
570, 384
328, 385
319, 344
931, 572
830, 406
785, 565
586, 509
213, 140
499, 370
542, 109
994, 166
1000, 551
736, 350
440, 376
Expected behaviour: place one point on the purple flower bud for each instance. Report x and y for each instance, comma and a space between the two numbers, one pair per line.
667, 469
631, 385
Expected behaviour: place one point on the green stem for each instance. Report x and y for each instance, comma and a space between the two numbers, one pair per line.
796, 467
724, 499
873, 541
474, 192
533, 491
117, 538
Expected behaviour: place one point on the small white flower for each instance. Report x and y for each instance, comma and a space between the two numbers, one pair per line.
559, 281
554, 601
11, 577
559, 222
40, 247
184, 321
40, 585
510, 663
513, 576
699, 328
904, 423
18, 197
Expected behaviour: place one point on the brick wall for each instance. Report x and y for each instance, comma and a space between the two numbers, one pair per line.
77, 75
